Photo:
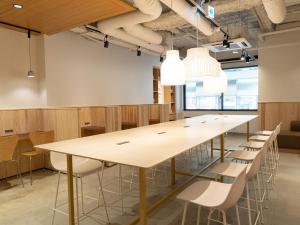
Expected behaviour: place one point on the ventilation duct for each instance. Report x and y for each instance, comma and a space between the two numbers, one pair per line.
186, 11
127, 27
275, 9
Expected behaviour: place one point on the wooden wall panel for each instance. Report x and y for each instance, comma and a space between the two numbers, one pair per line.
98, 116
130, 114
164, 113
154, 112
85, 118
113, 118
143, 111
34, 120
67, 124
272, 113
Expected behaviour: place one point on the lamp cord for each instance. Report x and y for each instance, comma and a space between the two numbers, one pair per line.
172, 30
29, 53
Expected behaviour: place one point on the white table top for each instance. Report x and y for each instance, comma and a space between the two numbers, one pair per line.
150, 145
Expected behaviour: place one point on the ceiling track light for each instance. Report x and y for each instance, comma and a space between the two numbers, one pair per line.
138, 51
243, 54
161, 58
106, 42
226, 43
30, 73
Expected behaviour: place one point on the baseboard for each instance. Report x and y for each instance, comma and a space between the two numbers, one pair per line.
289, 150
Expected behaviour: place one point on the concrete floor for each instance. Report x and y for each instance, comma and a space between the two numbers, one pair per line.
32, 205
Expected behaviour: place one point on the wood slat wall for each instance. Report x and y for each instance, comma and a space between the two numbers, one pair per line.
272, 113
66, 124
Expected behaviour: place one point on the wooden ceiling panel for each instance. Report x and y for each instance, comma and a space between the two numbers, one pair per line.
53, 16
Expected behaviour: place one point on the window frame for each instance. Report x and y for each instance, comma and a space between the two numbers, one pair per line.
222, 99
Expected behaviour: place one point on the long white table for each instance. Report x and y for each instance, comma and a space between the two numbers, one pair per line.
146, 147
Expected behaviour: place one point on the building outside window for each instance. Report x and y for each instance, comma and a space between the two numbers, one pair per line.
241, 94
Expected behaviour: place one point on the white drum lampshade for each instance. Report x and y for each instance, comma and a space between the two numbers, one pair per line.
199, 63
172, 69
215, 84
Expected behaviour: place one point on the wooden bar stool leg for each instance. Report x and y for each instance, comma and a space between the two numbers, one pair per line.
19, 171
184, 213
237, 214
198, 215
224, 217
30, 169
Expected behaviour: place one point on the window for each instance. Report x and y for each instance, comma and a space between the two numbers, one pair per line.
241, 94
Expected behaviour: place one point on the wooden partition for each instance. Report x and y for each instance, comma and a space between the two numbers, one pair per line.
272, 113
134, 116
21, 122
113, 118
67, 122
158, 113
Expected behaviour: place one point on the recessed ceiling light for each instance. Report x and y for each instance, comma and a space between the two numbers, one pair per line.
18, 6
235, 52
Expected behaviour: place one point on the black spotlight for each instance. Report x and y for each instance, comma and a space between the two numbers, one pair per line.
106, 42
243, 55
138, 51
247, 59
226, 43
161, 58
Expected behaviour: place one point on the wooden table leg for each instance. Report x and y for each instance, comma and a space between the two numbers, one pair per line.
143, 197
70, 190
173, 172
248, 130
222, 148
212, 148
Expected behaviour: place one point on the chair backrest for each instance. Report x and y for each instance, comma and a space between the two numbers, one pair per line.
254, 166
236, 190
41, 137
8, 146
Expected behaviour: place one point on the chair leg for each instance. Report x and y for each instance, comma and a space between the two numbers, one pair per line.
30, 169
198, 215
131, 178
260, 198
237, 214
82, 196
184, 213
55, 201
102, 193
248, 204
121, 188
19, 172
77, 198
5, 169
224, 217
209, 216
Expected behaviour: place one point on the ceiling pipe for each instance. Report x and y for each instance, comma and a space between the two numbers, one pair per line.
276, 10
127, 27
186, 11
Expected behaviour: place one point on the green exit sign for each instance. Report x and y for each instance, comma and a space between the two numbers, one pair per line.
211, 11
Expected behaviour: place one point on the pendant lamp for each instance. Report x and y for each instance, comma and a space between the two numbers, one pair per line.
172, 69
198, 63
215, 84
30, 73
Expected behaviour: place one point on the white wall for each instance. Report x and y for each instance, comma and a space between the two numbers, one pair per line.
279, 68
16, 90
81, 72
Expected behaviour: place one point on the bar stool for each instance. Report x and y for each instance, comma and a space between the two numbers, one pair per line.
232, 170
8, 146
82, 167
38, 138
215, 196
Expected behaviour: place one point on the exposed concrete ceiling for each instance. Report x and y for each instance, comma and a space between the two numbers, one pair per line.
239, 18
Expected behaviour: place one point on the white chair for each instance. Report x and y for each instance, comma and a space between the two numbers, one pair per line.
233, 169
81, 168
215, 196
